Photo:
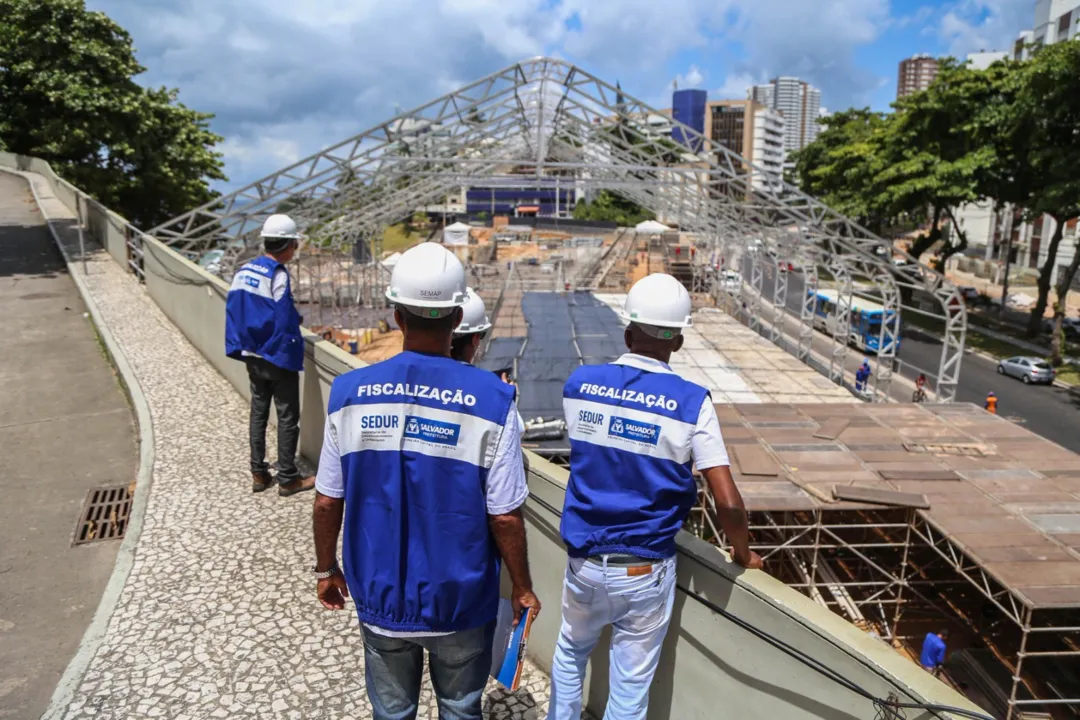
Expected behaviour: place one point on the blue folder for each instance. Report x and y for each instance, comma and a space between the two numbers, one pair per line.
508, 650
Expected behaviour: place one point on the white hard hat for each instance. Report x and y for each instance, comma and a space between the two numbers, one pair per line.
430, 277
280, 226
659, 301
474, 317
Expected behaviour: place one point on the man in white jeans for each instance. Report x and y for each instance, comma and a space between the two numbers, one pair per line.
637, 431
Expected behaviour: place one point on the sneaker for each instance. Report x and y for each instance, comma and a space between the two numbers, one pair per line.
298, 485
261, 481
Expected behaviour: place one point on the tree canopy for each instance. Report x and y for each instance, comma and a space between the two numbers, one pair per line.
612, 207
1005, 135
69, 96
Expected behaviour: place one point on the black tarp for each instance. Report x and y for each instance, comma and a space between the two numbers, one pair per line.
555, 321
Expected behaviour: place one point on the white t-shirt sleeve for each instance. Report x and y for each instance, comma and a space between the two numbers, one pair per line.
279, 284
507, 489
707, 443
329, 480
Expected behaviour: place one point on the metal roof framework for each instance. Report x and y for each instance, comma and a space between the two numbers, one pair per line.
543, 122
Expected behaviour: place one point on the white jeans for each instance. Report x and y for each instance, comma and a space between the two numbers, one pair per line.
638, 607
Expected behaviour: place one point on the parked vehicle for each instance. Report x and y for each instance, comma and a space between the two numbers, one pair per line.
1028, 370
730, 281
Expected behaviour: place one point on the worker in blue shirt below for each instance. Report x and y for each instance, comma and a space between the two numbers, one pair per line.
470, 333
637, 432
422, 473
862, 376
262, 329
933, 651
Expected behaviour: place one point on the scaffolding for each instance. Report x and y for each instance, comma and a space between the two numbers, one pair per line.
547, 123
891, 570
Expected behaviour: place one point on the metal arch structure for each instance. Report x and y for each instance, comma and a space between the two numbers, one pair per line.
888, 336
536, 123
838, 356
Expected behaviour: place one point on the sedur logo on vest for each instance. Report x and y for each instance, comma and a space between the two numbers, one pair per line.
433, 431
627, 429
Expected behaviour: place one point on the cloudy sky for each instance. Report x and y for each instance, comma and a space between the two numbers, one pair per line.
285, 78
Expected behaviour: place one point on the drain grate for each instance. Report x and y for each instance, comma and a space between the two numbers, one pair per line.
104, 515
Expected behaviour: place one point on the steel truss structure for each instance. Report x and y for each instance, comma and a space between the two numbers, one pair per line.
542, 122
891, 571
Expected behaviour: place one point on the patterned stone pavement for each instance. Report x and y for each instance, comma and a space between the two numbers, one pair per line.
218, 618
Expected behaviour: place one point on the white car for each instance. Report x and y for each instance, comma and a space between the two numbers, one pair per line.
730, 281
1028, 369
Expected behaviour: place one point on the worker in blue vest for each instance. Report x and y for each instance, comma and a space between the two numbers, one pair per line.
262, 328
932, 656
862, 376
470, 332
422, 473
637, 433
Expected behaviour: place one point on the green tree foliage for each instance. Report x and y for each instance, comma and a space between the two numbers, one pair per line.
68, 96
939, 152
611, 207
1007, 135
1044, 121
840, 167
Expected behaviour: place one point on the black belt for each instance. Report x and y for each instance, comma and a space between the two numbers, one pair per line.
621, 560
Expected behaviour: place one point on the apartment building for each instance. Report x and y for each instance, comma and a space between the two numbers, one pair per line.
754, 131
916, 74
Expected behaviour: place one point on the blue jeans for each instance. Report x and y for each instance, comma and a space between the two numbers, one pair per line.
459, 665
638, 607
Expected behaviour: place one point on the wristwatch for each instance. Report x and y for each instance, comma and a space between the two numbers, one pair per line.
330, 572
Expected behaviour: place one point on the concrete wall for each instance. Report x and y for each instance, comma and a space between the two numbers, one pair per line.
710, 667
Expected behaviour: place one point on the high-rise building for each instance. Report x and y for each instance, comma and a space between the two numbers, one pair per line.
916, 74
688, 108
752, 130
984, 59
800, 104
1055, 20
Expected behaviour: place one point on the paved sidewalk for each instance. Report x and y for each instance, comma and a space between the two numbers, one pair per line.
65, 428
218, 617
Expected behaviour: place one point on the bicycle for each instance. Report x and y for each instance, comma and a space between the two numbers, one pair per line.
919, 396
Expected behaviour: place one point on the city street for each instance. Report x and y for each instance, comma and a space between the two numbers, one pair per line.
1050, 411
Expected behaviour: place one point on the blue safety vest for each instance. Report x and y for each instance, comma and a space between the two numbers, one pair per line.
417, 435
255, 323
631, 481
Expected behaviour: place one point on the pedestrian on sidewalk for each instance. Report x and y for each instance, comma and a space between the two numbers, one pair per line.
991, 403
862, 376
262, 329
637, 430
422, 472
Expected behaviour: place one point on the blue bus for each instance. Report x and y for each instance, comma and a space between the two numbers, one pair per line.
864, 321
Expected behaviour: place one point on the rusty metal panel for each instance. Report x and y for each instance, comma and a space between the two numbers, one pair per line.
831, 429
755, 460
1037, 574
876, 496
918, 475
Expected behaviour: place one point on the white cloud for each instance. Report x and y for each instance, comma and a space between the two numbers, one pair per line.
973, 25
286, 78
692, 79
736, 86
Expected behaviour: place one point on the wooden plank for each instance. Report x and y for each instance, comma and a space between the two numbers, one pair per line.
858, 493
918, 475
831, 428
755, 460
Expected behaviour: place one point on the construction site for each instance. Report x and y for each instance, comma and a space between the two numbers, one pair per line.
903, 518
